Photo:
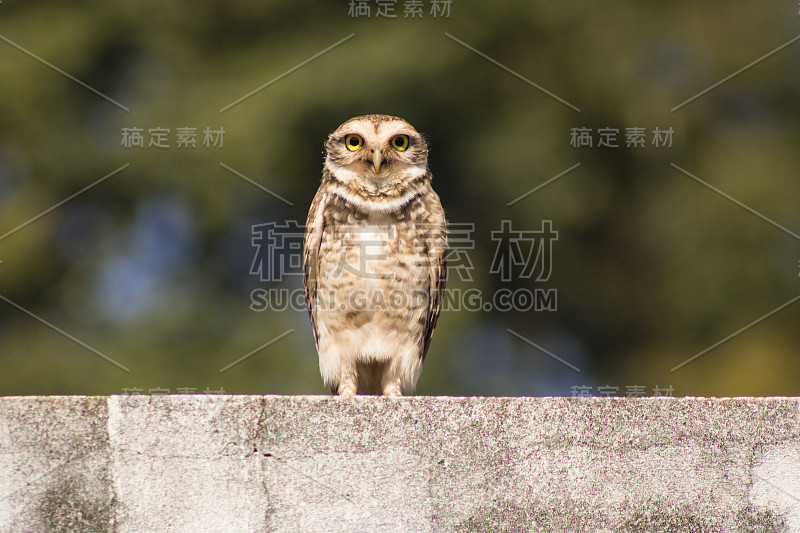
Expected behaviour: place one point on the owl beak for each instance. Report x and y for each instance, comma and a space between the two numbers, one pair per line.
377, 159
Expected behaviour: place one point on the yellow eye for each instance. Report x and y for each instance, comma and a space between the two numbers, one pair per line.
400, 142
353, 142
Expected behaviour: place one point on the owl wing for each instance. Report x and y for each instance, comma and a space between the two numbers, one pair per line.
437, 278
315, 225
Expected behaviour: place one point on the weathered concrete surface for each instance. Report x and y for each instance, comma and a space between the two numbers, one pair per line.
227, 464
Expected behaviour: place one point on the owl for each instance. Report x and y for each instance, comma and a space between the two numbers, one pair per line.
374, 258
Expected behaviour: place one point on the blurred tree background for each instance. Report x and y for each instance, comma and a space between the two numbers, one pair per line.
144, 257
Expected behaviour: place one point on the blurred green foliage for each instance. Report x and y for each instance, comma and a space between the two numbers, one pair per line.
151, 266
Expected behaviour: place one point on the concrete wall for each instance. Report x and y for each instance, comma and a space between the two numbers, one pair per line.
207, 463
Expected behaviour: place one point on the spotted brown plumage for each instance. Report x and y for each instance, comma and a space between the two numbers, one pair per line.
374, 257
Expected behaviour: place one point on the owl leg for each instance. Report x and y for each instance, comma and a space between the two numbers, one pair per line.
390, 380
337, 369
347, 389
348, 380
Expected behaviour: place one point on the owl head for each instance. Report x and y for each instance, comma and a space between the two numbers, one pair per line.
377, 149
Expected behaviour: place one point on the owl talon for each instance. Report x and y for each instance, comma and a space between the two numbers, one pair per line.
346, 390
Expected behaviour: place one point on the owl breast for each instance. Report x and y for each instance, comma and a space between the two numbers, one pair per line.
375, 285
